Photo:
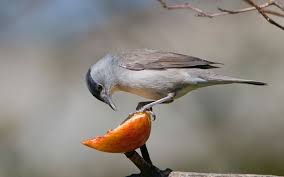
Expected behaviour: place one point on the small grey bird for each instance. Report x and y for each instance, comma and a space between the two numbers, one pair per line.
159, 76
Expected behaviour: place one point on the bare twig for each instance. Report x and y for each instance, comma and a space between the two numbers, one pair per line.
274, 13
248, 9
184, 6
260, 8
251, 2
278, 4
228, 12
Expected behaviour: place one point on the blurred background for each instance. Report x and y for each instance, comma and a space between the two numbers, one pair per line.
46, 47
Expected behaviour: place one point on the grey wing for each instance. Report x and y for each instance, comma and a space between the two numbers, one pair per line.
144, 59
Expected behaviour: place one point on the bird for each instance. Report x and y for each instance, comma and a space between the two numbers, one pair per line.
159, 76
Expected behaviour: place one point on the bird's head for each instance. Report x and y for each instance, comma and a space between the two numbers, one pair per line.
98, 86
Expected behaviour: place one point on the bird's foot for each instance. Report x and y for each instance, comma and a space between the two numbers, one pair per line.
144, 108
130, 115
152, 114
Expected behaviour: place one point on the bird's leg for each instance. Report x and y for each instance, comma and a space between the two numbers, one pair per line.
139, 106
167, 99
148, 105
142, 104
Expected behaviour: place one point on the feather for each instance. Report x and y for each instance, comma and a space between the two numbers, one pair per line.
147, 59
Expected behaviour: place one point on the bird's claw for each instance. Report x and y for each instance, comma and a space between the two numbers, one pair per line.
137, 111
152, 114
140, 109
149, 110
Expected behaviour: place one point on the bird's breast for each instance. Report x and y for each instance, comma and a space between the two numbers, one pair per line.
154, 84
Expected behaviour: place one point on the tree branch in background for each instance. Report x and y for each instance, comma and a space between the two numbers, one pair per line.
254, 7
184, 6
260, 10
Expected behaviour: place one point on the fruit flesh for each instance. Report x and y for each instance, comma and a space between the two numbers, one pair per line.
128, 136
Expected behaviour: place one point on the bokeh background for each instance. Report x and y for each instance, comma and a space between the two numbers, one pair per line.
47, 46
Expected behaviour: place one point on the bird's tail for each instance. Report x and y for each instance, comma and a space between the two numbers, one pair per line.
230, 80
252, 82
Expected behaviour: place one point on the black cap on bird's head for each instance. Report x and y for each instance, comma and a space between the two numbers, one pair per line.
99, 91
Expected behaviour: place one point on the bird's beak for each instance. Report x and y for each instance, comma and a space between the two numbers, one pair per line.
107, 99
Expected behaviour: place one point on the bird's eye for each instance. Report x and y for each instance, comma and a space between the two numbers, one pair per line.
100, 88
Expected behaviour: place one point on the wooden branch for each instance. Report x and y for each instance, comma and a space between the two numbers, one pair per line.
194, 174
260, 8
145, 154
149, 170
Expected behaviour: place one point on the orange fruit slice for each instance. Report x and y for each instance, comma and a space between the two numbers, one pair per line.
128, 136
